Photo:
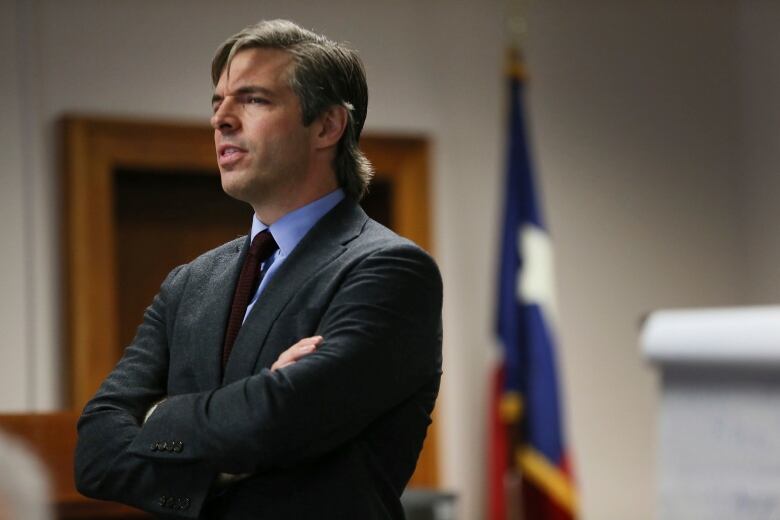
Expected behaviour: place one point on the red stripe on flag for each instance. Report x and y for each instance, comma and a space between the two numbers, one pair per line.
498, 450
538, 505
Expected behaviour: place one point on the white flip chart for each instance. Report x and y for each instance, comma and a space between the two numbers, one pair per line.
719, 429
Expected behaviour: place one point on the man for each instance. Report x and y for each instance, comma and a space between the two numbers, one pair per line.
307, 393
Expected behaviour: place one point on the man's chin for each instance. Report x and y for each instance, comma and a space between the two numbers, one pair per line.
233, 189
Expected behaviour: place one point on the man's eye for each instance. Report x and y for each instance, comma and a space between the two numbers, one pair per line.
251, 99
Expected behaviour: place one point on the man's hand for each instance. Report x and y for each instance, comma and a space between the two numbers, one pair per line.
291, 355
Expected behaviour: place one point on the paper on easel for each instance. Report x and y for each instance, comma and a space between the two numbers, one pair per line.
743, 335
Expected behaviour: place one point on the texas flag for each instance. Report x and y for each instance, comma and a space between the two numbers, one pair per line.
529, 473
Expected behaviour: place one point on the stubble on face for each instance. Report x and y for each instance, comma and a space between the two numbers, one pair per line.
263, 149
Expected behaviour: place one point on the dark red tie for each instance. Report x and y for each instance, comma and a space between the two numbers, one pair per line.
263, 246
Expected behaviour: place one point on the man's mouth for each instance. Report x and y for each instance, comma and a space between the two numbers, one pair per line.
229, 154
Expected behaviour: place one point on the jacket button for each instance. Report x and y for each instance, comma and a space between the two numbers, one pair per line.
162, 500
169, 502
184, 503
163, 446
153, 447
177, 446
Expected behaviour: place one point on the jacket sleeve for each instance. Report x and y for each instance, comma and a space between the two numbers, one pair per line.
382, 343
105, 466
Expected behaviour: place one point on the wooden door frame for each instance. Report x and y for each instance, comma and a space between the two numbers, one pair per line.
95, 148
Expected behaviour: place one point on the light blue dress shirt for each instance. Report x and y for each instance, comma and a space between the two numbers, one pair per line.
288, 231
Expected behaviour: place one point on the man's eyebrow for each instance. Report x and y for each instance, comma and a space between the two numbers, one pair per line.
248, 89
254, 89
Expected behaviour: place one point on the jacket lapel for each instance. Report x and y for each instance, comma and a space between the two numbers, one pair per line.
207, 344
321, 245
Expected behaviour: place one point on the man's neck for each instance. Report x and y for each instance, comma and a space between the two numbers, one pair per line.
270, 211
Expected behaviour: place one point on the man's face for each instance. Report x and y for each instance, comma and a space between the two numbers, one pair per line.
263, 149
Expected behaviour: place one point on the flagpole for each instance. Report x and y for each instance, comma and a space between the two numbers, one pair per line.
516, 35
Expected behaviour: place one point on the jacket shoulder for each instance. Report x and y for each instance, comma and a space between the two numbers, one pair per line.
377, 237
234, 246
217, 254
205, 263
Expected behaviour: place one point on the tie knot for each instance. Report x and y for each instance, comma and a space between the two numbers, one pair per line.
263, 245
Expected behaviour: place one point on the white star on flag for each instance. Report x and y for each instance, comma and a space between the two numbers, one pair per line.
535, 283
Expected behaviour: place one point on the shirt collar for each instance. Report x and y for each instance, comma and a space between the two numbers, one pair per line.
291, 228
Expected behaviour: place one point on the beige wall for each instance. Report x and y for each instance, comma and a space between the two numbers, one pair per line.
653, 126
759, 166
14, 363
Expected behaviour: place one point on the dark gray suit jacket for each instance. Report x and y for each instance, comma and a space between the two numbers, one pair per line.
335, 435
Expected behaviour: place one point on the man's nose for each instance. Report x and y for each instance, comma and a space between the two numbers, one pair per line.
225, 118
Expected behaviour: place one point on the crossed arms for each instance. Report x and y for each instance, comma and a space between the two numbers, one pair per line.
382, 335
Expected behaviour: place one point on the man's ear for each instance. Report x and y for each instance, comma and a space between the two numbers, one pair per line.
331, 125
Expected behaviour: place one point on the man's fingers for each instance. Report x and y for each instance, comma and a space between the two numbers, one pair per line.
313, 340
297, 351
